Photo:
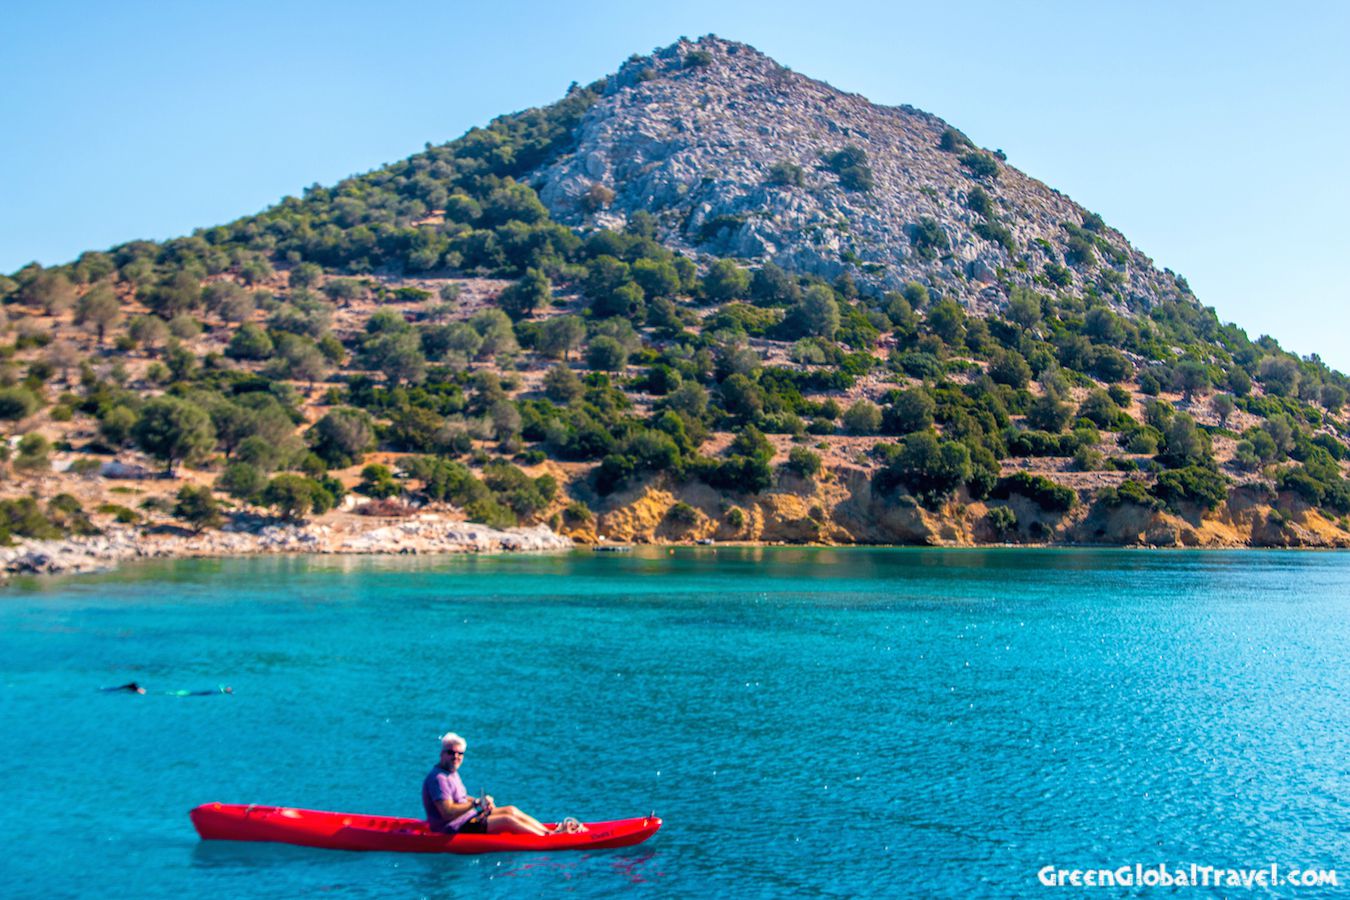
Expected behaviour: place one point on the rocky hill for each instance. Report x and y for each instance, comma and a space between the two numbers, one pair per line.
703, 299
735, 155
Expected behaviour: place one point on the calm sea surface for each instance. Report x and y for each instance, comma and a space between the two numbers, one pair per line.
807, 722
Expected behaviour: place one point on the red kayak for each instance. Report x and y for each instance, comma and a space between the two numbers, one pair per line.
353, 831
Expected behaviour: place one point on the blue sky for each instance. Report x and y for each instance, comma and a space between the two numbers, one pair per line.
1211, 134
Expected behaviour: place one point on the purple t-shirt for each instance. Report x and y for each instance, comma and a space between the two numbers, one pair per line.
443, 785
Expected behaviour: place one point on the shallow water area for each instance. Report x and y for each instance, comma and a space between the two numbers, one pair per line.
834, 722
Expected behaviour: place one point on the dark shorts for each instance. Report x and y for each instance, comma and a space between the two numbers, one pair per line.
474, 826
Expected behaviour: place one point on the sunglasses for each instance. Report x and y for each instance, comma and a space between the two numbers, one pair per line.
452, 752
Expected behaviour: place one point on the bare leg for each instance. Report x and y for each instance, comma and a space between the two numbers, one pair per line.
509, 820
521, 816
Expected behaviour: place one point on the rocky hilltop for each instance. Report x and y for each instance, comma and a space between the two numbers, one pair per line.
734, 155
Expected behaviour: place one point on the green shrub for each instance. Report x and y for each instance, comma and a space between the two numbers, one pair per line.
1192, 484
196, 506
67, 513
850, 164
737, 316
523, 496
746, 468
953, 140
488, 511
1280, 375
33, 450
1128, 491
606, 354
908, 411
1141, 439
21, 516
917, 364
682, 514
17, 402
378, 482
85, 467
241, 480
980, 165
997, 233
295, 496
803, 462
120, 514
978, 202
116, 425
343, 436
1296, 480
1045, 493
1047, 413
928, 238
1088, 459
578, 513
862, 417
786, 174
1100, 409
930, 469
174, 430
1010, 367
815, 314
1184, 444
1001, 520
1318, 481
1080, 253
249, 342
531, 292
1030, 442
1058, 275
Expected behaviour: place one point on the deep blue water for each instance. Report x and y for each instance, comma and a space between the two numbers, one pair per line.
808, 722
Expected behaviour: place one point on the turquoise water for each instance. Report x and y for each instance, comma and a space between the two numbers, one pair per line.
807, 722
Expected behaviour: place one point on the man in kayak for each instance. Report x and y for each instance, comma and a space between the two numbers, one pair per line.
451, 810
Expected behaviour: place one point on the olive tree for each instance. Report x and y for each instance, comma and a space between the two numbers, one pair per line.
98, 309
560, 336
342, 436
198, 507
173, 430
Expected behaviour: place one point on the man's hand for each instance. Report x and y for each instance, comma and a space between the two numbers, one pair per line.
488, 803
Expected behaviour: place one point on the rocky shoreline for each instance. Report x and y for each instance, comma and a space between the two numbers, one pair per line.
118, 544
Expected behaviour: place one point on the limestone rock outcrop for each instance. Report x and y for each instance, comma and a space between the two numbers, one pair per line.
729, 152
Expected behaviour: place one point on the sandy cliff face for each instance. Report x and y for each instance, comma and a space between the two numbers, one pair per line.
844, 510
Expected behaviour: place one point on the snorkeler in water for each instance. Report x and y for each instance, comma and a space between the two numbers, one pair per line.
130, 687
219, 689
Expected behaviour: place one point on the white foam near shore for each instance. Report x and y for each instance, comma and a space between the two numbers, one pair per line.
422, 536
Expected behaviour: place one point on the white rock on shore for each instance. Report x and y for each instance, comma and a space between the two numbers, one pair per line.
87, 554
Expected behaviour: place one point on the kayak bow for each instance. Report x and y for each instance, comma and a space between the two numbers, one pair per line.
354, 831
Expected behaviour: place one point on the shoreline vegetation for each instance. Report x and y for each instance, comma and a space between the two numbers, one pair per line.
510, 330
